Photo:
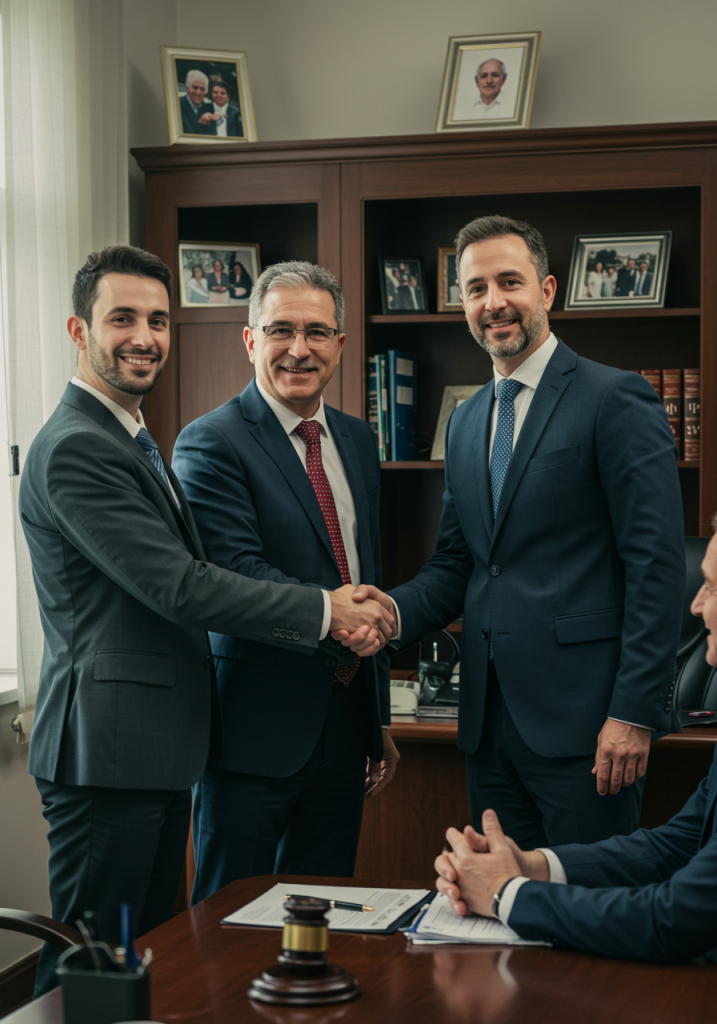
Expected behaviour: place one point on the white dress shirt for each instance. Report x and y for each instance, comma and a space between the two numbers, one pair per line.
131, 425
338, 481
557, 875
221, 125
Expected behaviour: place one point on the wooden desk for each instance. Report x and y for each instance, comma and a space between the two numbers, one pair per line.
201, 973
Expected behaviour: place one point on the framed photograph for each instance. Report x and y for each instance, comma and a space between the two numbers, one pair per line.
449, 299
488, 82
619, 270
208, 96
402, 287
453, 396
217, 273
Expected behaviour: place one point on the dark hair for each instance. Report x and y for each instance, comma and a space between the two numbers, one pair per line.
218, 81
495, 226
114, 259
197, 266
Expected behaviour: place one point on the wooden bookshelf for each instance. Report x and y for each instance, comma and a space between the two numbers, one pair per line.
555, 314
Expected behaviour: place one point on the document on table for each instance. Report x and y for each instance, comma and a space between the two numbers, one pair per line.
439, 924
390, 907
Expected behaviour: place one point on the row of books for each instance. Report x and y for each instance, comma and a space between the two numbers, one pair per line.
680, 393
392, 404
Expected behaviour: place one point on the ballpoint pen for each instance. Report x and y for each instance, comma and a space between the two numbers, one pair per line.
337, 904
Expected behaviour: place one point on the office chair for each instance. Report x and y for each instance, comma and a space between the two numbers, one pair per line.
54, 932
695, 685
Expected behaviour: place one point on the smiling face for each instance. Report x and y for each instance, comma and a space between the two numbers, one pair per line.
197, 91
705, 602
295, 374
220, 95
504, 302
125, 349
490, 80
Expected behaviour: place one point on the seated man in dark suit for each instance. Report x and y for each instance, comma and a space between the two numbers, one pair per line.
649, 896
285, 488
198, 117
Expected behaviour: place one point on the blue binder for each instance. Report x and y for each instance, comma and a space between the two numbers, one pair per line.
402, 401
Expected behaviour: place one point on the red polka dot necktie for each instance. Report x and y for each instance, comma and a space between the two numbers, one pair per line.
310, 433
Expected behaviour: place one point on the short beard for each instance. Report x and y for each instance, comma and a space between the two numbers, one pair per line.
106, 367
530, 330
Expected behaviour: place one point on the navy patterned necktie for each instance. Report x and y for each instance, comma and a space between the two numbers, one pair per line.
503, 440
145, 440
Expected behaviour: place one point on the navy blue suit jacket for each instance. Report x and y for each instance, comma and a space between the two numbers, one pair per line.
580, 578
649, 896
190, 117
257, 514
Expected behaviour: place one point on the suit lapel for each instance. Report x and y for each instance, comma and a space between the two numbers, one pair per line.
350, 459
479, 430
272, 437
547, 395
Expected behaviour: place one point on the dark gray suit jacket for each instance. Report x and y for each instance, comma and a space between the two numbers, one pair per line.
127, 680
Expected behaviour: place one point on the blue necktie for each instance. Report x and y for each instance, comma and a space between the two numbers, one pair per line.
503, 440
145, 440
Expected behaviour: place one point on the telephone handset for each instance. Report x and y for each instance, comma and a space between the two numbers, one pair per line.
438, 670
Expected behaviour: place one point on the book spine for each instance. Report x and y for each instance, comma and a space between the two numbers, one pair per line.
383, 408
402, 405
692, 414
373, 399
653, 377
672, 399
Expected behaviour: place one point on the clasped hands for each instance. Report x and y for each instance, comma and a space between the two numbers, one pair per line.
362, 618
475, 866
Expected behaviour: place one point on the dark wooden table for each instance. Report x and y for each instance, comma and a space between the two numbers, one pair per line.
201, 972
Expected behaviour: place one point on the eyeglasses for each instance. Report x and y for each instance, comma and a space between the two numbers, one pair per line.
313, 335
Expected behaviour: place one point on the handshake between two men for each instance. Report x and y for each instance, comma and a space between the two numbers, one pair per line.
363, 618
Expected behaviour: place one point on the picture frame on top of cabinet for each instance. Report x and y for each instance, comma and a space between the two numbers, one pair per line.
449, 299
609, 271
208, 95
488, 82
402, 285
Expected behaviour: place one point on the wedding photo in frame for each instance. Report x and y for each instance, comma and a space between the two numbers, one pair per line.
208, 96
402, 286
217, 273
449, 299
488, 82
627, 270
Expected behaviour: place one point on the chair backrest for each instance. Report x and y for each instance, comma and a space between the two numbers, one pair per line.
696, 681
54, 932
693, 628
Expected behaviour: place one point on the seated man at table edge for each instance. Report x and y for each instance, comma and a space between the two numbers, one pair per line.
284, 487
649, 896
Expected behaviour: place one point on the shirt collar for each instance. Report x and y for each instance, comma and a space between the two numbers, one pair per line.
480, 103
131, 425
288, 419
530, 371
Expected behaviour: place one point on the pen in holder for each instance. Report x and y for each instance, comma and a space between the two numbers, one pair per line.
96, 990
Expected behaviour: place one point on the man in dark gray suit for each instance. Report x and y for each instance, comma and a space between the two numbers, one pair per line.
126, 717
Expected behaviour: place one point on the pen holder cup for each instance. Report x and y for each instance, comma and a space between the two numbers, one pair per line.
104, 997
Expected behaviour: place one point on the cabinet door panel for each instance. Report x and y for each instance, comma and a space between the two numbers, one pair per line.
213, 367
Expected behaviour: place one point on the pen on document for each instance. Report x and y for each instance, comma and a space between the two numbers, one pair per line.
338, 904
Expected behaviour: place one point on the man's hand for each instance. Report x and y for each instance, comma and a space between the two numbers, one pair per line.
380, 773
476, 875
363, 626
363, 593
621, 756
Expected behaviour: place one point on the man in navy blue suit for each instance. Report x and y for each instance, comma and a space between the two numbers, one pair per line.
643, 280
649, 896
561, 544
283, 487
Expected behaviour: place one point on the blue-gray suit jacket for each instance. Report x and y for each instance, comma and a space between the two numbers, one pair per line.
649, 896
126, 596
580, 579
257, 514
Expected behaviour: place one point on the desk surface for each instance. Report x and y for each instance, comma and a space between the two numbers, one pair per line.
201, 973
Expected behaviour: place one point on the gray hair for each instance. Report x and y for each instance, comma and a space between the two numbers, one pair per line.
502, 65
196, 76
495, 226
296, 274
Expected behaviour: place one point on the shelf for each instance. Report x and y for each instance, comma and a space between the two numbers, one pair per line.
555, 314
417, 464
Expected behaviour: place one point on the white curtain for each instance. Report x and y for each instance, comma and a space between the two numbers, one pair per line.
66, 195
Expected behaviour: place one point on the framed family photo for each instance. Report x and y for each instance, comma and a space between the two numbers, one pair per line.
217, 273
488, 82
449, 298
208, 96
453, 396
619, 270
402, 287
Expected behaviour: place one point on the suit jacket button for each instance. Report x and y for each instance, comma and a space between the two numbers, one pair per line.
207, 661
484, 634
494, 570
296, 636
330, 662
282, 634
275, 632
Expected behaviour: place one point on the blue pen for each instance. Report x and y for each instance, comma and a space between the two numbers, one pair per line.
131, 959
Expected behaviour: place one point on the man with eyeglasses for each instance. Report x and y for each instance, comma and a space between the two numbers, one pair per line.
286, 488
